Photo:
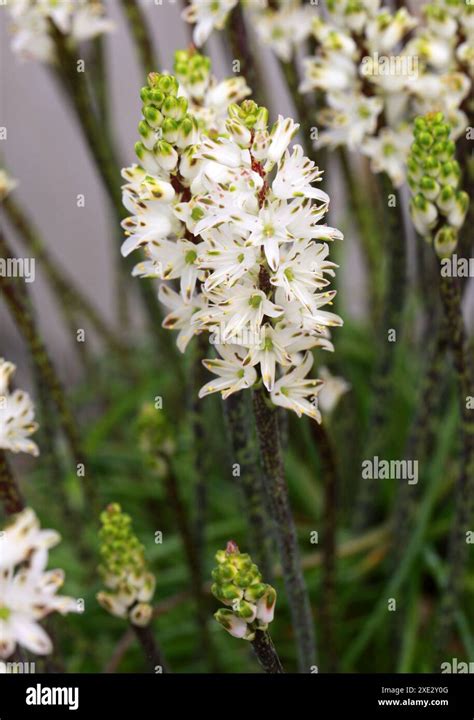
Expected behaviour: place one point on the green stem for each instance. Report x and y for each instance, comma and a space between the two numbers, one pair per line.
75, 86
141, 35
458, 547
245, 453
10, 493
62, 284
44, 366
331, 484
383, 380
192, 556
420, 439
369, 234
277, 492
266, 654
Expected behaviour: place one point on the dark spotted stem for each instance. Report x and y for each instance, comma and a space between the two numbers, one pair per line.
462, 523
266, 654
241, 50
266, 419
10, 493
151, 649
245, 453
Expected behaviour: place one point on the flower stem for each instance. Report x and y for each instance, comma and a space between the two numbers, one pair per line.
140, 34
245, 453
151, 650
241, 50
27, 326
419, 440
75, 87
458, 547
391, 322
266, 654
70, 297
10, 493
192, 556
302, 105
277, 492
367, 232
331, 484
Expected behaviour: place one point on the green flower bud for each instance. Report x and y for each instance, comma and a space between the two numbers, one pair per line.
429, 187
244, 594
446, 198
445, 241
123, 566
152, 116
169, 130
165, 155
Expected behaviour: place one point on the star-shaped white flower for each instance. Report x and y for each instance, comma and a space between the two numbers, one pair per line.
293, 390
17, 417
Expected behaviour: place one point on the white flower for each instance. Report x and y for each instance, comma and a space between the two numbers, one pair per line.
332, 390
273, 349
207, 15
224, 252
329, 72
23, 537
31, 32
386, 30
280, 137
349, 118
302, 272
388, 152
270, 228
292, 390
17, 418
295, 175
285, 29
150, 201
233, 375
169, 259
27, 590
238, 312
181, 314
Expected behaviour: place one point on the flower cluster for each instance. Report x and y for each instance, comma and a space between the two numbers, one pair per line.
79, 19
208, 99
168, 173
377, 69
238, 584
284, 25
17, 418
437, 207
265, 257
27, 589
130, 586
281, 24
